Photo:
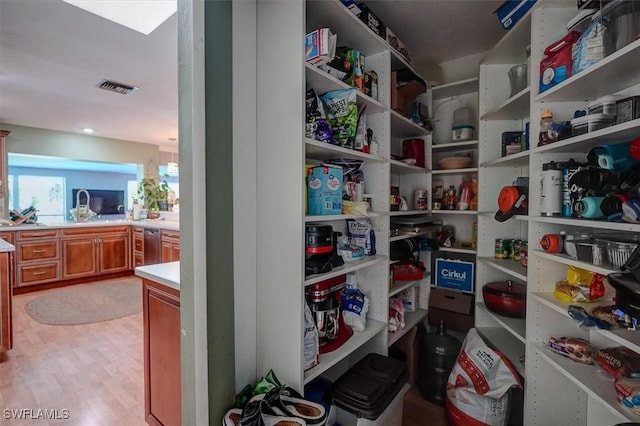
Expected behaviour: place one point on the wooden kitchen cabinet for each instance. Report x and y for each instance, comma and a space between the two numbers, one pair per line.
37, 257
9, 237
95, 251
138, 246
6, 329
161, 322
170, 246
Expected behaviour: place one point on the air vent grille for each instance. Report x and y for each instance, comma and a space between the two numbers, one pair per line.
114, 86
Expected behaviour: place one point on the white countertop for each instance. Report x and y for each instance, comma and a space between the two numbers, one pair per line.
164, 273
148, 223
5, 246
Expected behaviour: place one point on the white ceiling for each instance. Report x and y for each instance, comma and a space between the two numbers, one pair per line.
52, 56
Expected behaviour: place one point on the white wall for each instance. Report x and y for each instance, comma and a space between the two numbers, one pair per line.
461, 68
31, 140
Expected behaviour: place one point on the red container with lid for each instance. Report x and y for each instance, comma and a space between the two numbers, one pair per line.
414, 148
505, 298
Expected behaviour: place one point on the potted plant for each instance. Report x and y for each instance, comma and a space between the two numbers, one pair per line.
154, 195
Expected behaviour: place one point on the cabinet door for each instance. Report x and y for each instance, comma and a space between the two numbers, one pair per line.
114, 253
175, 252
167, 251
161, 321
79, 257
6, 332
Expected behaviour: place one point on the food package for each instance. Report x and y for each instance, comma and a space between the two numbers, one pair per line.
342, 114
580, 286
319, 46
478, 385
311, 340
619, 361
361, 234
573, 347
410, 299
355, 305
396, 314
628, 393
316, 125
356, 60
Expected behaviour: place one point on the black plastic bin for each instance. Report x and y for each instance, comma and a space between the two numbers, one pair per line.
368, 388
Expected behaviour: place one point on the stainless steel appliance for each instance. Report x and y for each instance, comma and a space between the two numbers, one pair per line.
152, 246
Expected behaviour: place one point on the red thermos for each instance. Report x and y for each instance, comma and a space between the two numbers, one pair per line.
414, 148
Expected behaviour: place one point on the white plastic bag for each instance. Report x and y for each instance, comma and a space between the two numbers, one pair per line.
478, 385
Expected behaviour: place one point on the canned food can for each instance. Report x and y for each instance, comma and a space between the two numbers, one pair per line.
515, 250
524, 257
503, 248
420, 199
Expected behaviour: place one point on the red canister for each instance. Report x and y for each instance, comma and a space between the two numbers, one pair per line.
414, 148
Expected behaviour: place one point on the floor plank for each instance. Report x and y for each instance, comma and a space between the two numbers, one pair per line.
95, 371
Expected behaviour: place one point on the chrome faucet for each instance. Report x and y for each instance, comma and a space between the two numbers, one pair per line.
82, 211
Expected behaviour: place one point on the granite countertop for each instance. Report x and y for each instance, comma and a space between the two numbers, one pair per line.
164, 273
5, 246
148, 223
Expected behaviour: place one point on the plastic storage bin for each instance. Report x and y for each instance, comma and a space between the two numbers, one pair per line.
592, 252
370, 392
619, 252
604, 105
591, 123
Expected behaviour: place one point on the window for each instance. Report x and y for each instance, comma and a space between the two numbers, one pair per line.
45, 193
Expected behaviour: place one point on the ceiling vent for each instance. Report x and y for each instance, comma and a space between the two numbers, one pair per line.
114, 86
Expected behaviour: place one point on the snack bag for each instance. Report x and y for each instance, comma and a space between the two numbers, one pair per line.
478, 385
342, 114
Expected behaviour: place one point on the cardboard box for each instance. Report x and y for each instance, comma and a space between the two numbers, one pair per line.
372, 21
319, 46
451, 300
324, 189
452, 320
403, 96
511, 11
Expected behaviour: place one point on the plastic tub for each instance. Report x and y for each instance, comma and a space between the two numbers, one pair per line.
574, 237
591, 252
591, 123
604, 105
619, 252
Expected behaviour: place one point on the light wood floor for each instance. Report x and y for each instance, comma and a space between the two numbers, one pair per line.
94, 371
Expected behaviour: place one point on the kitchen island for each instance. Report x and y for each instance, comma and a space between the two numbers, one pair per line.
6, 329
161, 327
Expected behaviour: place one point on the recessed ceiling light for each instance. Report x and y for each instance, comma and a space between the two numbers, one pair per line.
143, 16
87, 130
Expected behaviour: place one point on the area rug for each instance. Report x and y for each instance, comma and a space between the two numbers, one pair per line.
88, 303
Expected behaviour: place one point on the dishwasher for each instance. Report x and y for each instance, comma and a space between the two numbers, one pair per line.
152, 246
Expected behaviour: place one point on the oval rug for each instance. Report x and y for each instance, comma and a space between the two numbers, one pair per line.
88, 303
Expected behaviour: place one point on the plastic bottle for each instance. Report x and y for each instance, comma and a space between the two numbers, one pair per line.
546, 119
441, 351
462, 128
450, 199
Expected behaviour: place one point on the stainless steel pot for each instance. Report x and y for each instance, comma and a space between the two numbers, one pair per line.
326, 315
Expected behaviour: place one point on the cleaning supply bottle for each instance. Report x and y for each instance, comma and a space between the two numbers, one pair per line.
546, 119
462, 128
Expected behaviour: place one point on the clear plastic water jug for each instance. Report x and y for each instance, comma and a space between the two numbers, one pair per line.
462, 128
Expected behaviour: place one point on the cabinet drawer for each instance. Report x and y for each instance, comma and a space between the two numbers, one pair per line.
41, 250
173, 235
36, 233
138, 243
138, 260
7, 236
39, 273
83, 232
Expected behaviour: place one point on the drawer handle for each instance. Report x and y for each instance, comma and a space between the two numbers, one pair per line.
37, 251
40, 273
